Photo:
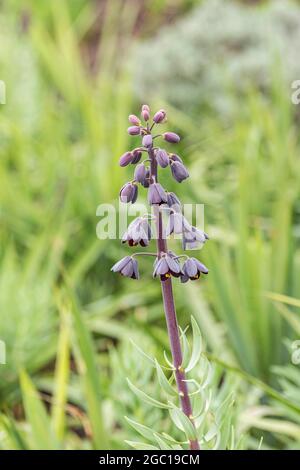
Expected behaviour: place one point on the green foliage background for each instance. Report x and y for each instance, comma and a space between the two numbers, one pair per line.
66, 320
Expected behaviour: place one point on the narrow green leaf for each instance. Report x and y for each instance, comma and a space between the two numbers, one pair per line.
183, 423
197, 346
163, 381
42, 433
140, 428
141, 445
146, 398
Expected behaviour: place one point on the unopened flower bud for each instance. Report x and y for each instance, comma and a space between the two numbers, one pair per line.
126, 159
162, 158
129, 193
137, 155
140, 173
134, 130
159, 116
171, 137
133, 119
147, 140
145, 112
179, 171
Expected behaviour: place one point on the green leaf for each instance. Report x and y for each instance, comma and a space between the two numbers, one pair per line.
141, 445
140, 428
197, 346
162, 444
43, 437
85, 356
146, 398
183, 423
185, 349
163, 381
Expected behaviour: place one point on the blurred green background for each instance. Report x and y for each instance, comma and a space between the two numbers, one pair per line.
74, 70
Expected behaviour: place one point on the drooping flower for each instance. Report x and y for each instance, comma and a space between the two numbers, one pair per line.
129, 193
171, 137
173, 201
126, 158
177, 223
179, 171
147, 140
127, 267
166, 266
138, 232
156, 194
140, 172
192, 269
193, 237
134, 130
162, 158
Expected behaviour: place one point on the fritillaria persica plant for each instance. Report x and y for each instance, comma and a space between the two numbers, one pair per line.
167, 264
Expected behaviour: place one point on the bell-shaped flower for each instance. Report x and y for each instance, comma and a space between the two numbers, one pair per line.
126, 158
162, 158
138, 232
127, 267
156, 194
166, 266
140, 172
193, 237
129, 193
192, 269
179, 171
177, 223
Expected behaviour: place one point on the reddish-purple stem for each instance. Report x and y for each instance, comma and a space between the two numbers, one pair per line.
170, 313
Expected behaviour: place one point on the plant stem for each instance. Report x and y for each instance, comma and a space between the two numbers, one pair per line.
170, 313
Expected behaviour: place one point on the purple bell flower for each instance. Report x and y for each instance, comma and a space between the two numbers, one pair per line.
177, 223
147, 140
138, 232
193, 237
171, 137
129, 193
192, 269
179, 171
166, 266
140, 172
162, 158
156, 194
127, 267
173, 201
